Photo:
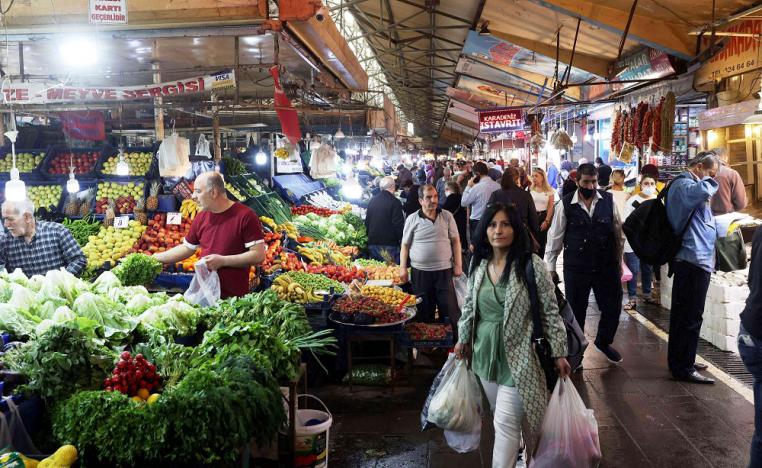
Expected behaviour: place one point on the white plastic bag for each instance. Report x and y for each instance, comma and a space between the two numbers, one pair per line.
569, 434
202, 147
464, 442
457, 404
448, 367
204, 289
461, 287
173, 156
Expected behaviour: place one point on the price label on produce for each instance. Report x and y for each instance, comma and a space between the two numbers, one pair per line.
121, 222
174, 218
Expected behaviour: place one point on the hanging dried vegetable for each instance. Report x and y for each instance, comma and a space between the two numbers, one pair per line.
656, 127
560, 140
628, 120
646, 128
637, 124
616, 132
667, 122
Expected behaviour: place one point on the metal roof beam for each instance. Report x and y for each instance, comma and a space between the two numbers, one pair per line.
662, 35
437, 12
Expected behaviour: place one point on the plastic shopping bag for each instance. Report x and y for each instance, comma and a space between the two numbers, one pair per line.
464, 442
626, 273
461, 286
204, 289
569, 434
448, 367
457, 404
202, 147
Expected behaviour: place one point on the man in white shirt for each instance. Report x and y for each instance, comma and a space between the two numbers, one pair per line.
477, 194
588, 228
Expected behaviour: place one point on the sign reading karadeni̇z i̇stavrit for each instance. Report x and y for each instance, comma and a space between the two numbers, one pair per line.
107, 12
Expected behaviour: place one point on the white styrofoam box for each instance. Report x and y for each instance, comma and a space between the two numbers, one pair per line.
727, 343
719, 293
727, 327
726, 310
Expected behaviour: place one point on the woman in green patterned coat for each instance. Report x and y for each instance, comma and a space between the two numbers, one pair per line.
497, 324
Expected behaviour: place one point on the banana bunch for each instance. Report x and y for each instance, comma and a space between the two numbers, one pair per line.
290, 230
189, 209
270, 223
313, 254
291, 291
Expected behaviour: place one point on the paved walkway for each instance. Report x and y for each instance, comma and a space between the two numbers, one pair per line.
645, 418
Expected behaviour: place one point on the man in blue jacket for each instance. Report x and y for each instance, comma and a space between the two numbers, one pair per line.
688, 205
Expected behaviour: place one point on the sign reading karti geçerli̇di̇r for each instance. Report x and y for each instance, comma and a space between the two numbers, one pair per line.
107, 12
497, 121
45, 93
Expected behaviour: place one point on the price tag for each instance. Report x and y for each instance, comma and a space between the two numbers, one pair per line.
174, 218
121, 222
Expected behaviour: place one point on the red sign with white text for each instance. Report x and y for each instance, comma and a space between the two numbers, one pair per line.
503, 120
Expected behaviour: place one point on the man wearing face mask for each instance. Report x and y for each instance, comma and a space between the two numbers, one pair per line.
688, 210
589, 229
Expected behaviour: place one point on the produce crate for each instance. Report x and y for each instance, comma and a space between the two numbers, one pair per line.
83, 185
122, 181
246, 185
34, 173
56, 150
263, 206
29, 184
173, 280
153, 169
293, 187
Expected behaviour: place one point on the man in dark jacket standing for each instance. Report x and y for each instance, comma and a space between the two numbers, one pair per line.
384, 222
604, 173
588, 228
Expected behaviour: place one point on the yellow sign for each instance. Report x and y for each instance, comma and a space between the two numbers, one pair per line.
740, 54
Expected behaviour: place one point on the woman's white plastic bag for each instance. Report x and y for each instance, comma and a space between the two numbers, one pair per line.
569, 434
204, 289
457, 404
464, 442
447, 368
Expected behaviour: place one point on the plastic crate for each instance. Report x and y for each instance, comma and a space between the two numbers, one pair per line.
83, 185
153, 169
38, 184
173, 280
122, 181
56, 150
31, 175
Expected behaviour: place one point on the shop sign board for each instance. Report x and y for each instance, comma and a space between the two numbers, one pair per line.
107, 12
498, 51
726, 116
47, 93
739, 55
645, 64
501, 120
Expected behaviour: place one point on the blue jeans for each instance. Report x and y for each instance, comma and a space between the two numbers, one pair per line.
633, 263
375, 252
750, 349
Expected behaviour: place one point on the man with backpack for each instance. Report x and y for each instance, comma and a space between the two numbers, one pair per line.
688, 211
588, 228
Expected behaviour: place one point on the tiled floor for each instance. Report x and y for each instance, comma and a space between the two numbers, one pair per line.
645, 418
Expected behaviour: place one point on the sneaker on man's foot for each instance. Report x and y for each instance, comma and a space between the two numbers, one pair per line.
611, 354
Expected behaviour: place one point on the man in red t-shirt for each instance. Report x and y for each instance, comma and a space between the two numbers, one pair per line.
229, 234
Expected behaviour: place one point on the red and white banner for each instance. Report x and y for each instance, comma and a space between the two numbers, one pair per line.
45, 93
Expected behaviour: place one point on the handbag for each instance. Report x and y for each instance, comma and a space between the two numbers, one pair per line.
539, 342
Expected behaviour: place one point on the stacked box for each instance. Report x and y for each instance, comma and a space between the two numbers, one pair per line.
725, 300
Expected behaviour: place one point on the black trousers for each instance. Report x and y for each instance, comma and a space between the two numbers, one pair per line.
608, 295
472, 223
436, 290
689, 289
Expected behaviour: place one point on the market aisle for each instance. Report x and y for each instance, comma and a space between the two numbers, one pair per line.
645, 418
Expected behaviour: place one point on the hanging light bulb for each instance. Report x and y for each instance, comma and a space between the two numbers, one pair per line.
72, 185
574, 138
15, 189
339, 133
588, 137
260, 158
122, 168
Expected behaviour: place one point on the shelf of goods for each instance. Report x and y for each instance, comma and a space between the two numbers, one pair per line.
28, 162
59, 158
725, 300
293, 187
223, 365
140, 160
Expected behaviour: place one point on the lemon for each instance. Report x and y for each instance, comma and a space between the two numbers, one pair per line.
153, 398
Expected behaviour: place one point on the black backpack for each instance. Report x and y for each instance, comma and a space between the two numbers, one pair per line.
650, 234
